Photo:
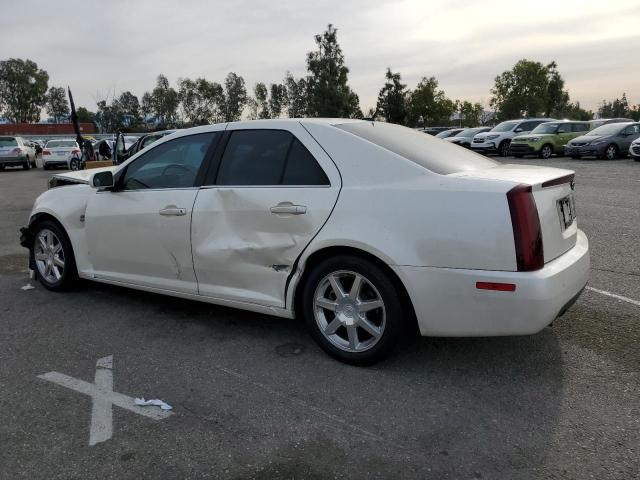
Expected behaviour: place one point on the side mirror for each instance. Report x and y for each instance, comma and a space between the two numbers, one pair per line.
560, 131
102, 180
518, 130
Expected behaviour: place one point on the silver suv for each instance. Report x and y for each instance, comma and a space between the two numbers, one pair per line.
498, 139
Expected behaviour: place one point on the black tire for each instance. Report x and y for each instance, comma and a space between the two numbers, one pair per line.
69, 275
546, 151
74, 164
611, 152
393, 312
503, 148
27, 164
1, 167
519, 156
576, 157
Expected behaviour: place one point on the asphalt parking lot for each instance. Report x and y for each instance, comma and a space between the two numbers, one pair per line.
253, 397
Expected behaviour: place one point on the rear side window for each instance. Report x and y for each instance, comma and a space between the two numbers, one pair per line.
302, 168
424, 150
580, 127
268, 157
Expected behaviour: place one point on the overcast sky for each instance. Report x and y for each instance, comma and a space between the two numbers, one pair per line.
101, 47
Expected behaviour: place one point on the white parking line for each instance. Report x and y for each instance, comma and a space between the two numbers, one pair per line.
613, 295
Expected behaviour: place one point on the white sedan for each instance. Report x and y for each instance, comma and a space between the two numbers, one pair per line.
365, 230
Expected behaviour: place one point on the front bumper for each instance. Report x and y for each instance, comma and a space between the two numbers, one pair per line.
584, 150
448, 304
634, 151
523, 149
484, 147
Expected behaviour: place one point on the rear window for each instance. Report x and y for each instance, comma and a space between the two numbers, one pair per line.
61, 144
8, 142
425, 150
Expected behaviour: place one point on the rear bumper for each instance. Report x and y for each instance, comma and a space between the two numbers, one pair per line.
56, 162
13, 160
447, 302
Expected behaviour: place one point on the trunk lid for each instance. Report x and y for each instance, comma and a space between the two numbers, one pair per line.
552, 190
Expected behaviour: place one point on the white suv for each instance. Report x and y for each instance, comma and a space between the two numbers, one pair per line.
498, 139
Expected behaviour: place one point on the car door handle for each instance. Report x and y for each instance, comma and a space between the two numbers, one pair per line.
173, 211
288, 208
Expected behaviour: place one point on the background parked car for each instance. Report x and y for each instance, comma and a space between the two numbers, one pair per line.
607, 141
498, 139
547, 138
433, 130
64, 152
604, 121
634, 150
16, 152
122, 151
464, 137
452, 132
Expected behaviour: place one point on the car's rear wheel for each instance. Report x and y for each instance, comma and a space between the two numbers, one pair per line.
353, 310
546, 151
26, 165
504, 148
1, 167
611, 152
74, 164
53, 256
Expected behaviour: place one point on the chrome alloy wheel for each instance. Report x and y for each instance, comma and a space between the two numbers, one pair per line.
610, 152
49, 256
349, 311
546, 151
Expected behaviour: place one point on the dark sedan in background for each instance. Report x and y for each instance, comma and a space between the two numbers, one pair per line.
607, 142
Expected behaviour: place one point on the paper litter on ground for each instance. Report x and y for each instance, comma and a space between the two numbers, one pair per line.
155, 402
28, 286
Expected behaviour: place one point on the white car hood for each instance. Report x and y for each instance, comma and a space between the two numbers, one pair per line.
82, 176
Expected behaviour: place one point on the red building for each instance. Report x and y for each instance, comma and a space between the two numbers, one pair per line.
44, 128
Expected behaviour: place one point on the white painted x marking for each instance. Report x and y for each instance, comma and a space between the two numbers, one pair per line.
103, 396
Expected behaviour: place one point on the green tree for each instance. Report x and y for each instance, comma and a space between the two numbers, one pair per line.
329, 95
202, 101
296, 96
618, 108
85, 116
23, 89
277, 99
574, 111
428, 104
235, 94
470, 113
529, 89
56, 103
392, 99
634, 112
162, 101
128, 106
261, 98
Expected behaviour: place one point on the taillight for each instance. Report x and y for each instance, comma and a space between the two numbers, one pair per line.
17, 151
46, 152
75, 151
527, 234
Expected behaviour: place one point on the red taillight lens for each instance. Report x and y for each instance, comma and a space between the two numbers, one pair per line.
46, 152
527, 234
75, 151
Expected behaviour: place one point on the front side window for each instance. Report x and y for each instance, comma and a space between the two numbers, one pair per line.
174, 164
528, 126
632, 130
580, 127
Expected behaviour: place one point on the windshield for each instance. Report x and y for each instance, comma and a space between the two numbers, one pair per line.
469, 132
608, 129
504, 127
546, 128
61, 144
439, 157
446, 133
8, 142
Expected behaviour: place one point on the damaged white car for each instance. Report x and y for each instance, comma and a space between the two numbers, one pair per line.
365, 230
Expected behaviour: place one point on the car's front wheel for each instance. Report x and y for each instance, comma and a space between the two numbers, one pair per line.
504, 148
53, 256
353, 310
546, 151
611, 152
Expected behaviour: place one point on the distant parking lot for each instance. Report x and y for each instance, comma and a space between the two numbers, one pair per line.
253, 397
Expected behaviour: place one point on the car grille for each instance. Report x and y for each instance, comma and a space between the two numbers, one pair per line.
478, 140
578, 144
